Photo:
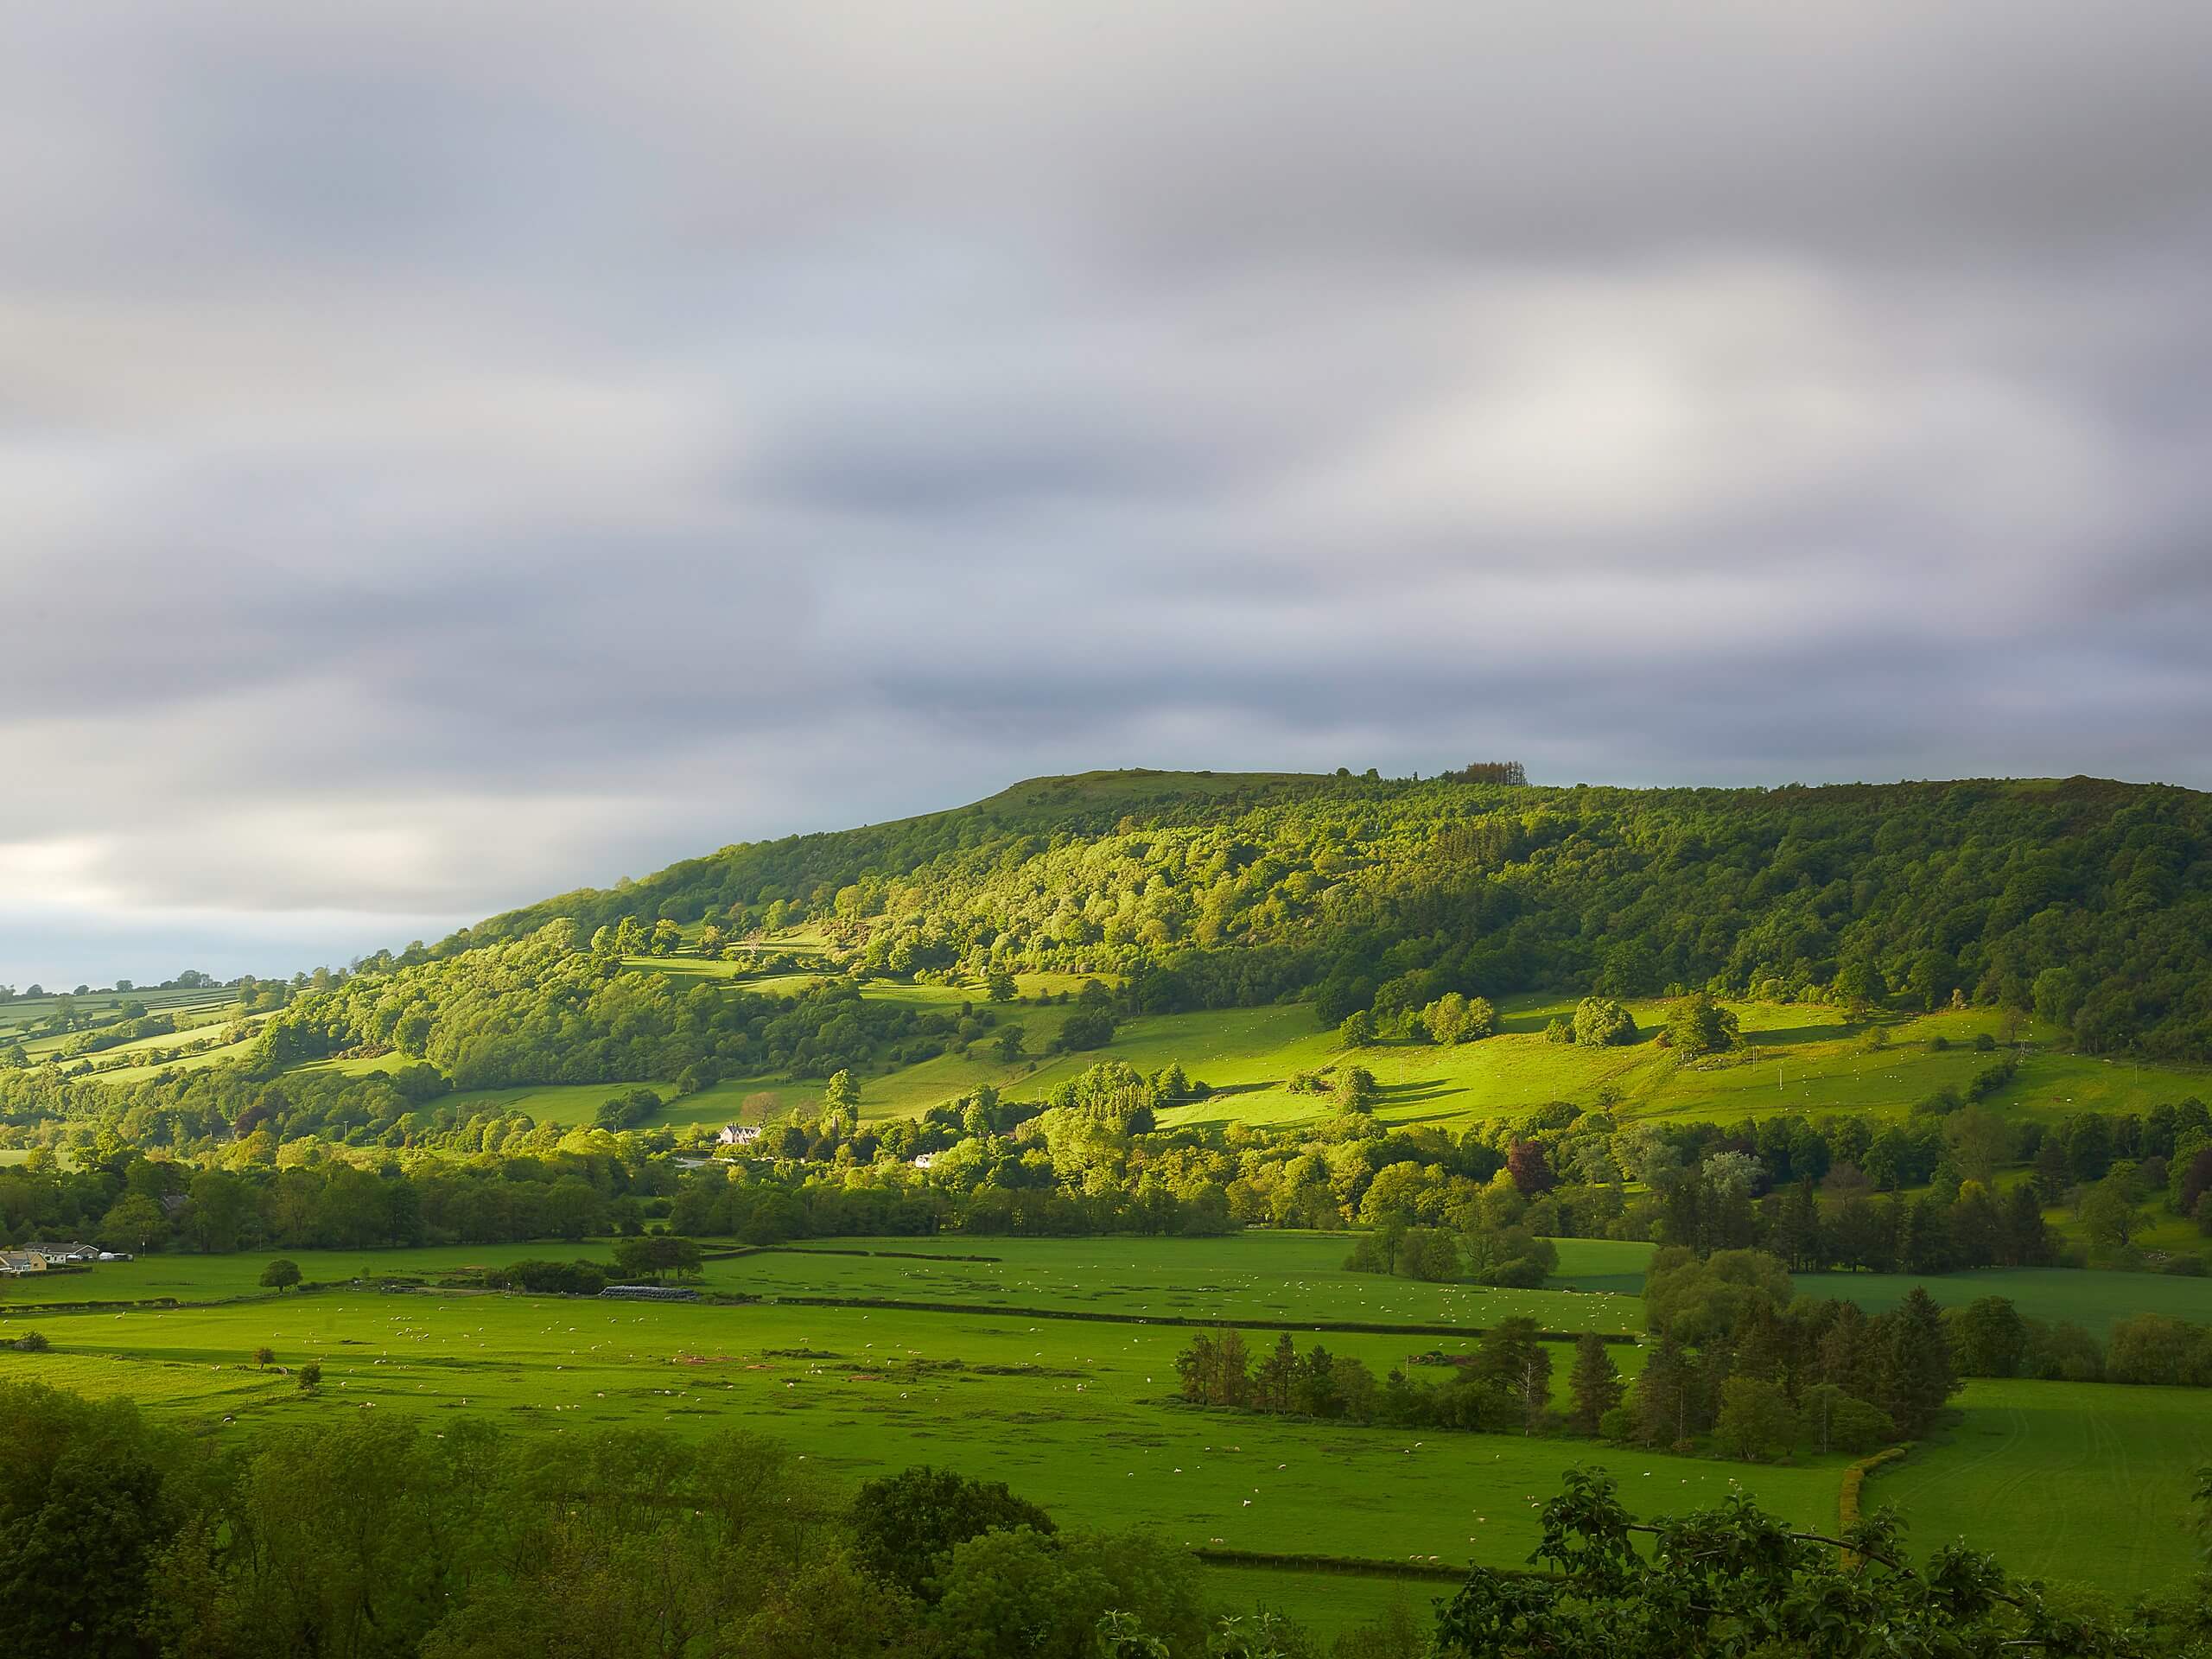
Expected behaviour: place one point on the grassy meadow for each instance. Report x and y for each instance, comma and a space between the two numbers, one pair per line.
1297, 1278
2089, 1297
2083, 1482
1797, 1058
1079, 1415
1083, 1415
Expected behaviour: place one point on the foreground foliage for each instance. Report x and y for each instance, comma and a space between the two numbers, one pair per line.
1734, 1580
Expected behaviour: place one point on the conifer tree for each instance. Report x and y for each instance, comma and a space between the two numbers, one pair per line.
1595, 1383
1916, 1374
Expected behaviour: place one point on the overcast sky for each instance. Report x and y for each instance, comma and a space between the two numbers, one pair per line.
451, 454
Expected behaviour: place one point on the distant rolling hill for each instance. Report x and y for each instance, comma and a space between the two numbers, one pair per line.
2086, 901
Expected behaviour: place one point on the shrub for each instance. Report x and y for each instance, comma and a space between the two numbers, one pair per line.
1696, 1024
281, 1274
560, 1278
903, 1526
1601, 1021
31, 1342
1854, 1480
1087, 1028
1429, 1253
627, 1109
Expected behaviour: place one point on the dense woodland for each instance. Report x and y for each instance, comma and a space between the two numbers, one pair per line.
2088, 901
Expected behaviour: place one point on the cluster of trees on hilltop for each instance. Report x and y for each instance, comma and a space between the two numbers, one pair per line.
2089, 902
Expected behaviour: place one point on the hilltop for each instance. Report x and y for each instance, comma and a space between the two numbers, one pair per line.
2084, 900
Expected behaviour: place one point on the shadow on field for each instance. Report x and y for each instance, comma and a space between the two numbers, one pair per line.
1798, 1035
1412, 1094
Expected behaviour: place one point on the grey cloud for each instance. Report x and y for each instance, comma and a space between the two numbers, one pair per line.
446, 457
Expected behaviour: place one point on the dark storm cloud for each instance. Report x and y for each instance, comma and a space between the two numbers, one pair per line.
448, 455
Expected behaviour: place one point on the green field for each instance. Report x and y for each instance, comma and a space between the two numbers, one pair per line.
2089, 1298
1081, 1414
1295, 1278
2083, 1482
1796, 1058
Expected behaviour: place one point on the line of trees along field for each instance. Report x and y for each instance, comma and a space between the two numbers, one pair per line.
1737, 1364
219, 1159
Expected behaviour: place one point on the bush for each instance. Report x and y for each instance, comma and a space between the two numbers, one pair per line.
1087, 1028
31, 1342
627, 1109
904, 1525
1601, 1021
281, 1274
2152, 1348
1430, 1253
1355, 1091
1617, 1425
550, 1277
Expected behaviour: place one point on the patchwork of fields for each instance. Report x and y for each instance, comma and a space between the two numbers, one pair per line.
1796, 1058
1082, 1413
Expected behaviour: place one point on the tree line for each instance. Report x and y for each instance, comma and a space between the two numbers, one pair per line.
1736, 1367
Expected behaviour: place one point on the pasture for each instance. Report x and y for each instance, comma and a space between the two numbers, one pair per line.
1035, 1375
1796, 1058
1080, 1416
2083, 1482
1297, 1278
2089, 1297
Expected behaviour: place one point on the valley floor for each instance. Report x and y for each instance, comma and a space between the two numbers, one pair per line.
2084, 1481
